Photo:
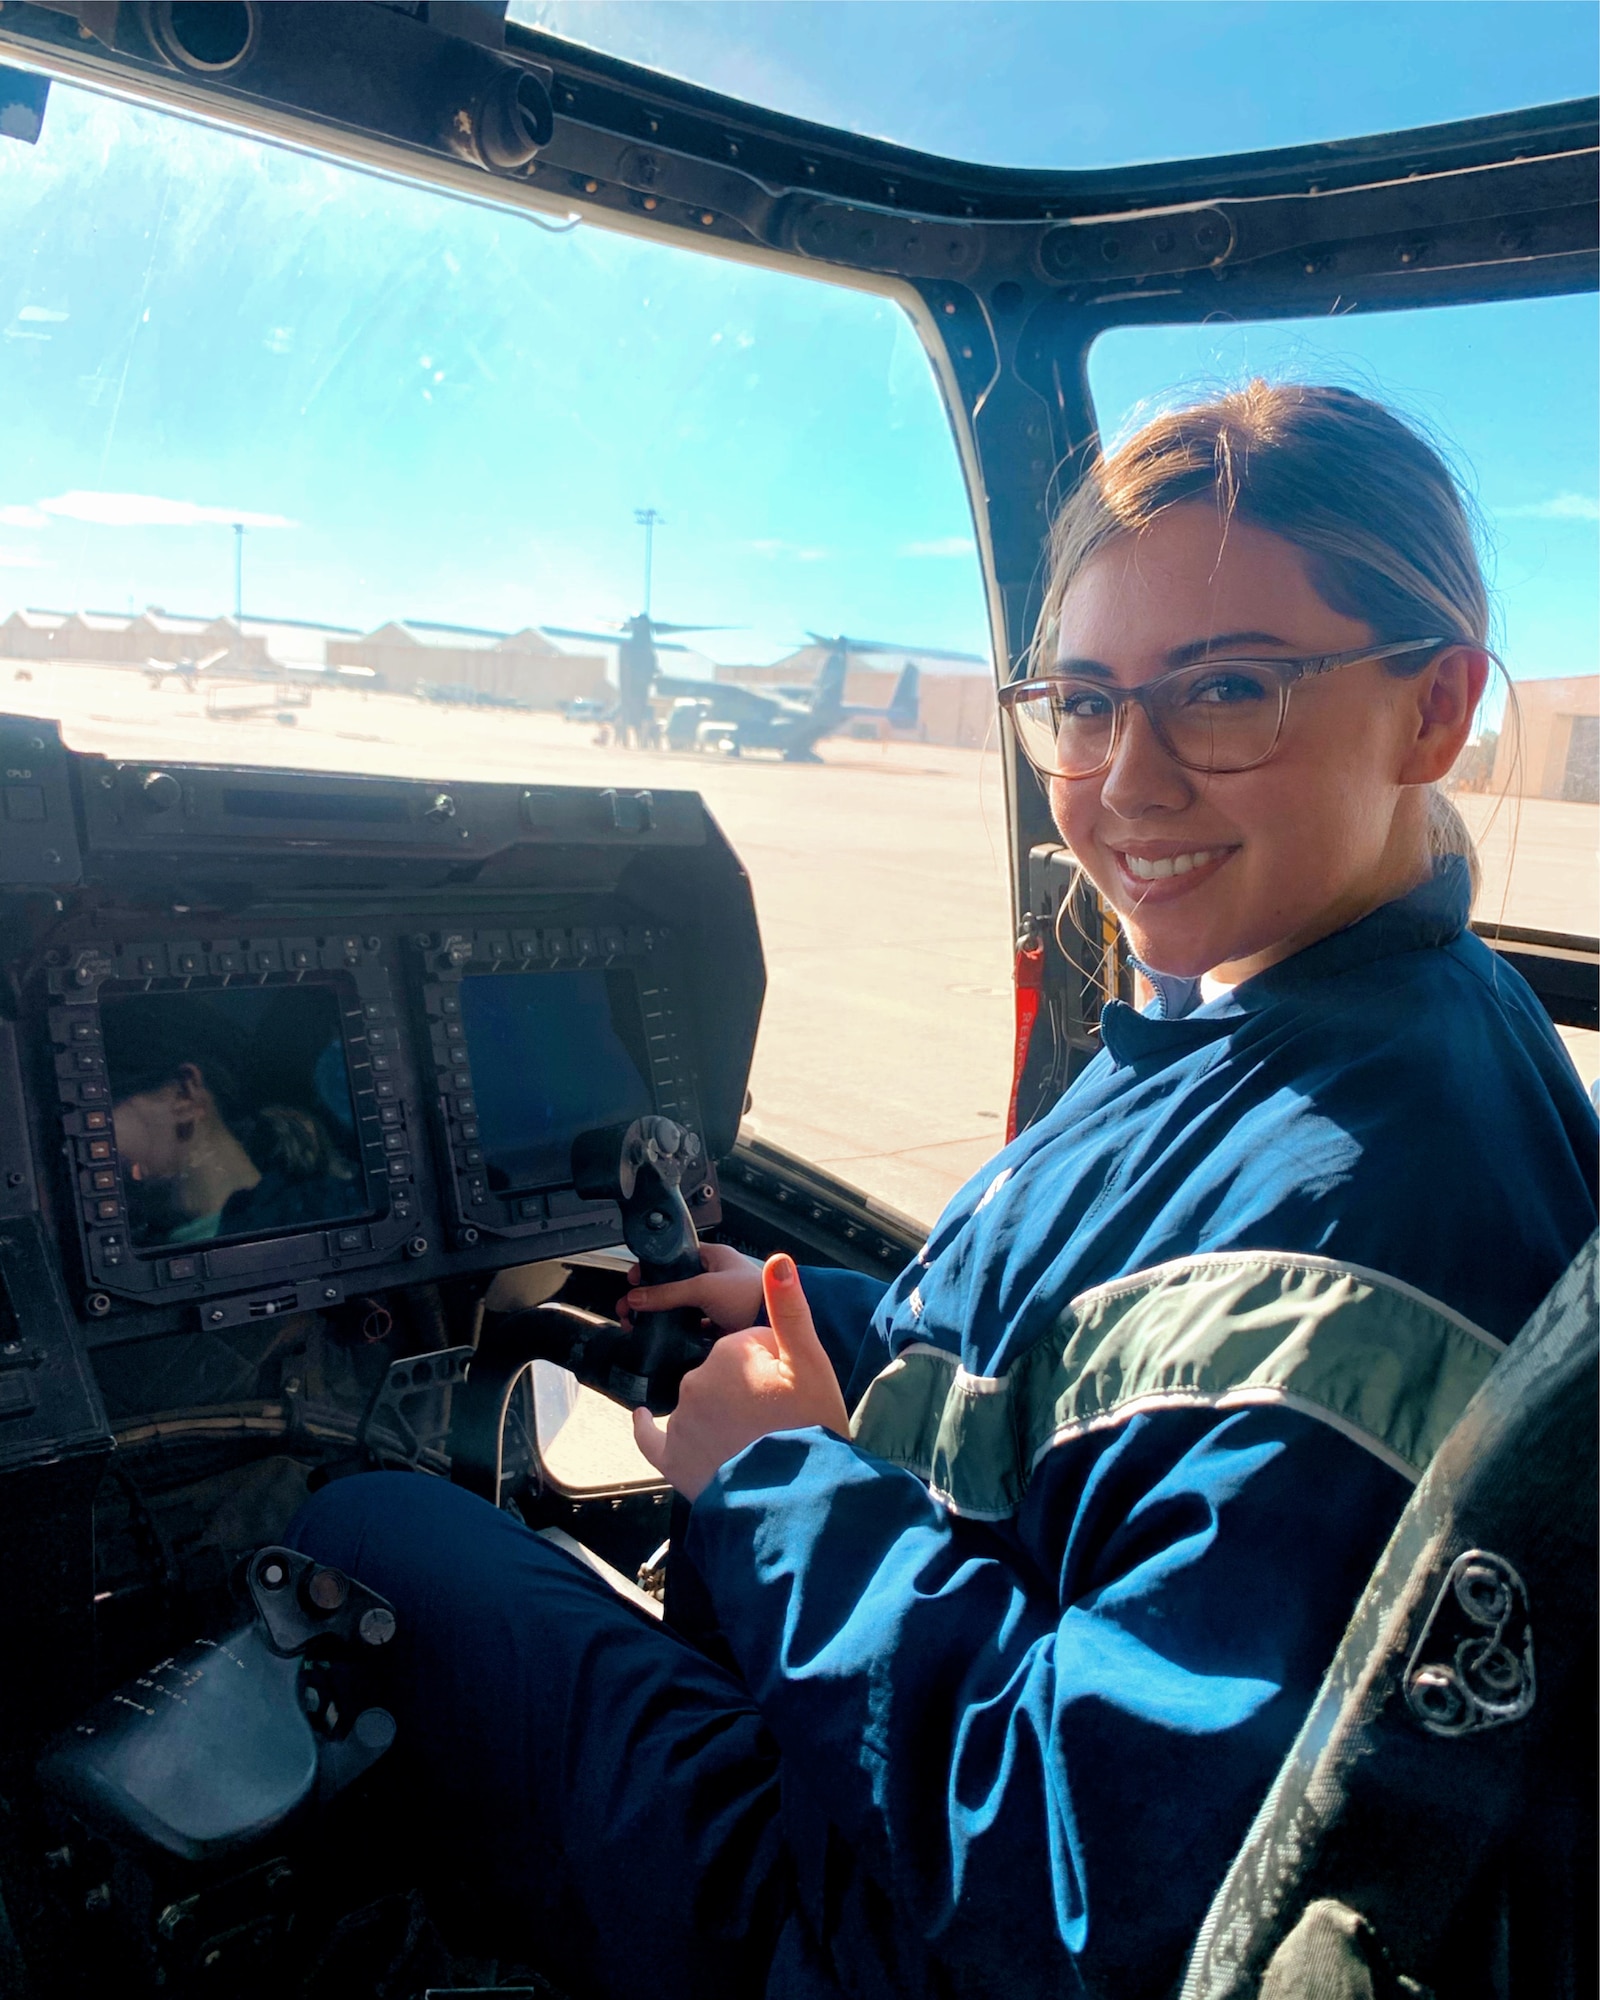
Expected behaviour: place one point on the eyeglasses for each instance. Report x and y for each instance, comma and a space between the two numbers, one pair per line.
1221, 715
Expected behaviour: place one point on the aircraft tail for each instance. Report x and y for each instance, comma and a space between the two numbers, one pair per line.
902, 711
827, 691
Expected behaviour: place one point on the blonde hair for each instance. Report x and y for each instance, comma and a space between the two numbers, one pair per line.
1372, 507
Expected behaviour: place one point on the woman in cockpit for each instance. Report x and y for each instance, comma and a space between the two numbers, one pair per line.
1026, 1569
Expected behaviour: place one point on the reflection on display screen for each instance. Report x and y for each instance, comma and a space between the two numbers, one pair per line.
233, 1112
553, 1055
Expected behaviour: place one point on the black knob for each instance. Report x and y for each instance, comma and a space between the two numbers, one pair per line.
160, 792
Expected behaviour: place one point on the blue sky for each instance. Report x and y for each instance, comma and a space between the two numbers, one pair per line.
1049, 83
431, 409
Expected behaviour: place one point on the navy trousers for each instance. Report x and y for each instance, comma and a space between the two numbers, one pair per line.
613, 1790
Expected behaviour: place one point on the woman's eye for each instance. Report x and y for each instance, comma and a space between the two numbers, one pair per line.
1227, 685
1082, 705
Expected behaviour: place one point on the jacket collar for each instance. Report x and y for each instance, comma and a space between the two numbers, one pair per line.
1433, 914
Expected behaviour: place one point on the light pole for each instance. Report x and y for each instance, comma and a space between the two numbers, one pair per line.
649, 520
238, 573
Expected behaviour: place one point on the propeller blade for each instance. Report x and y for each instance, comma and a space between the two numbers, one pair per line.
839, 643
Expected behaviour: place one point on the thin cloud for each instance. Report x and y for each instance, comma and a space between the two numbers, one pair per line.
21, 559
944, 548
1559, 507
147, 510
23, 517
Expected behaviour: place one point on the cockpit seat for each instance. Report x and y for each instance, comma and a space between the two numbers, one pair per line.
1432, 1829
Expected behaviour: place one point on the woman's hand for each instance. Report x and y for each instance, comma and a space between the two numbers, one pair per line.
729, 1294
765, 1379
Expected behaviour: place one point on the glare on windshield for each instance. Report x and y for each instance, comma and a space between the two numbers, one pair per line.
310, 467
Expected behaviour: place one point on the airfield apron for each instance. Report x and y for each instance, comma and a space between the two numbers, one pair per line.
1015, 1662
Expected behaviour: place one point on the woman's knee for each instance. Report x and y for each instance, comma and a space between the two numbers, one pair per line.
390, 1530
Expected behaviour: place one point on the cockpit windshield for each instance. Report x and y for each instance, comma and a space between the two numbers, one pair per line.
309, 467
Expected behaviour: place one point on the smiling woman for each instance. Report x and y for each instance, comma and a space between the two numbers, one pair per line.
1522, 440
1231, 795
1030, 1563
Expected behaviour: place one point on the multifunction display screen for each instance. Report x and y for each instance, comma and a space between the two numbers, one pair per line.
232, 1111
553, 1055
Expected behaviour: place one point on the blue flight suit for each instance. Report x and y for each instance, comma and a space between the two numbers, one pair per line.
1017, 1661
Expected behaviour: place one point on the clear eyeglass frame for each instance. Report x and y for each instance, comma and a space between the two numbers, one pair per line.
1030, 705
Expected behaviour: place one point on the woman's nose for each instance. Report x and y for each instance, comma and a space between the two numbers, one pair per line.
1142, 776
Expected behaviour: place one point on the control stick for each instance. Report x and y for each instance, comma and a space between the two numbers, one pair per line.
640, 1167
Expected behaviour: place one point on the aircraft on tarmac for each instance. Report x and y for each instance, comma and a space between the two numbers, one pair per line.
730, 717
630, 716
185, 672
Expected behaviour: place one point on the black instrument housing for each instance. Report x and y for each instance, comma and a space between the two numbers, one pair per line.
391, 894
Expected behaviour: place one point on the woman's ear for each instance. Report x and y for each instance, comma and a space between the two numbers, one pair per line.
1447, 693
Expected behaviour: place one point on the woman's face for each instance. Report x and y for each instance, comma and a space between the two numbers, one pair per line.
1327, 829
155, 1131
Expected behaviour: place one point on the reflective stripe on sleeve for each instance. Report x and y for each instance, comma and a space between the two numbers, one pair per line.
1379, 1361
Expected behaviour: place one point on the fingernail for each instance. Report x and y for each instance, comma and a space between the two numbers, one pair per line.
782, 1269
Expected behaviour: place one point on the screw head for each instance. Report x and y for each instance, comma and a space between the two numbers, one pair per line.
377, 1626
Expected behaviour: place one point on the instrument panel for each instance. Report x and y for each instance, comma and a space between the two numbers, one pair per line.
277, 1044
